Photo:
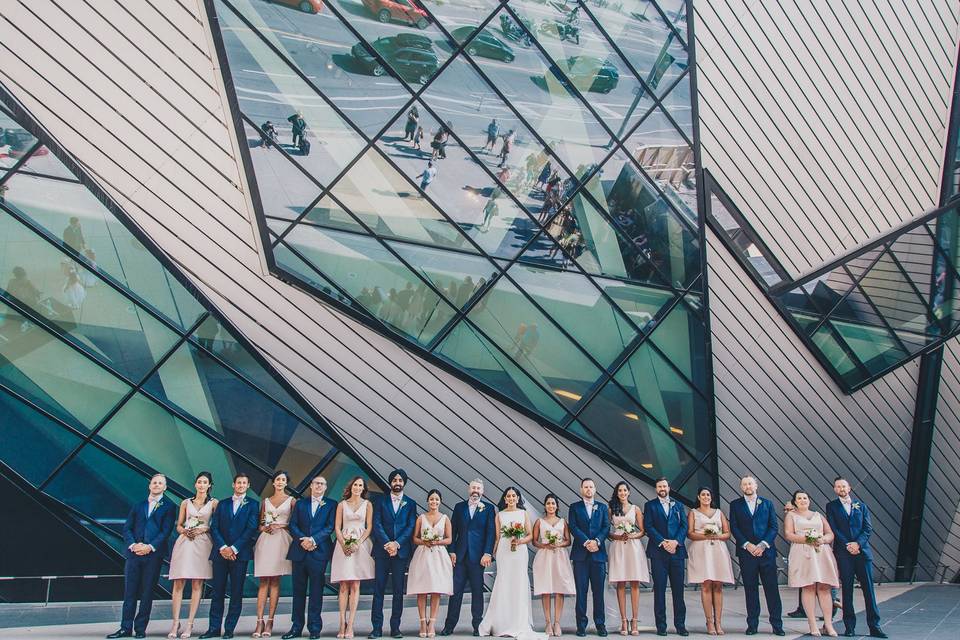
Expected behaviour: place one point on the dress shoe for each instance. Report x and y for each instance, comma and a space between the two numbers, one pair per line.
601, 631
210, 633
396, 634
314, 636
682, 632
139, 634
293, 633
476, 633
375, 634
751, 632
227, 635
120, 633
877, 633
779, 632
849, 633
797, 613
661, 632
581, 633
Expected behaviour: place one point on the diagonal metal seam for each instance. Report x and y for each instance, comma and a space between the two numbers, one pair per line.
7, 173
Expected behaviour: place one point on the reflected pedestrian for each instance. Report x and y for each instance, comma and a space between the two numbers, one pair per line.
418, 138
299, 126
73, 235
413, 119
427, 175
493, 131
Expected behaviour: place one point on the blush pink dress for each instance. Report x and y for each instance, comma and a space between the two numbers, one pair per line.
270, 552
806, 565
190, 559
358, 565
552, 571
708, 559
430, 568
626, 559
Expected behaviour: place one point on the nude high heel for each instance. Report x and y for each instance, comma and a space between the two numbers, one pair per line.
635, 627
258, 630
623, 627
268, 628
431, 628
188, 633
423, 627
175, 631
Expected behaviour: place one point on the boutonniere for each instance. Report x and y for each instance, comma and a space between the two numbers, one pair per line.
403, 503
481, 506
855, 505
243, 503
322, 502
759, 500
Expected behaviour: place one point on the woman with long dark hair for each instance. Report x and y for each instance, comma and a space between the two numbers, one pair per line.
552, 572
270, 553
352, 558
190, 559
431, 571
708, 559
626, 561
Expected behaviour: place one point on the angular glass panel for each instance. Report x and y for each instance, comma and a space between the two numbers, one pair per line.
615, 417
899, 286
36, 365
680, 336
377, 194
328, 213
327, 53
33, 444
374, 278
338, 472
874, 346
746, 243
641, 304
580, 306
470, 351
460, 277
15, 141
839, 356
702, 477
580, 431
535, 343
286, 259
95, 316
250, 422
462, 18
268, 90
43, 162
70, 212
667, 159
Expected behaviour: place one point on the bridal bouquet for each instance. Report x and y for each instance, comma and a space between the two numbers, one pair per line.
625, 528
429, 535
812, 537
513, 531
269, 518
193, 522
711, 531
552, 537
351, 539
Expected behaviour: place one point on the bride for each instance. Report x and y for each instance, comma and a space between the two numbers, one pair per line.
510, 612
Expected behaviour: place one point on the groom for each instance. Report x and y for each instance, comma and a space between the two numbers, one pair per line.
394, 518
471, 552
589, 526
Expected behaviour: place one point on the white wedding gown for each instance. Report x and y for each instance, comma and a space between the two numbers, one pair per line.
509, 612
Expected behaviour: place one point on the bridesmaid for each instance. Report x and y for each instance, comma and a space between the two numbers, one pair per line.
811, 565
552, 572
270, 553
190, 559
431, 571
627, 561
352, 562
708, 559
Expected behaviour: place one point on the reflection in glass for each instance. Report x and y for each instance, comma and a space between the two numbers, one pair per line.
49, 442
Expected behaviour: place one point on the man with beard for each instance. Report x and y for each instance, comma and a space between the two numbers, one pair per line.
665, 521
394, 518
471, 552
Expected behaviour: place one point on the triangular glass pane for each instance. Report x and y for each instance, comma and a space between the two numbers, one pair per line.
458, 276
268, 89
322, 48
374, 277
328, 213
576, 428
667, 159
15, 141
44, 162
677, 101
580, 308
285, 191
462, 18
49, 442
535, 343
290, 262
470, 351
614, 417
874, 346
681, 337
641, 304
378, 194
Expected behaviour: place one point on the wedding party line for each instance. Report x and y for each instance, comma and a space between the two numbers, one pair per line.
429, 554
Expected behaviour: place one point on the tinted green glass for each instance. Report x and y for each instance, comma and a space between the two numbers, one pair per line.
33, 444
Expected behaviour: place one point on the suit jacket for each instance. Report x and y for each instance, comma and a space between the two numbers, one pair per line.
760, 527
853, 528
473, 537
597, 527
662, 526
319, 526
153, 530
394, 527
238, 531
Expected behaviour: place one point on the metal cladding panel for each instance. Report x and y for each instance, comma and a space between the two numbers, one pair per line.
133, 92
826, 120
781, 419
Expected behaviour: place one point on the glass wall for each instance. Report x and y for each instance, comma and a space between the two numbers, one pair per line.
112, 370
508, 186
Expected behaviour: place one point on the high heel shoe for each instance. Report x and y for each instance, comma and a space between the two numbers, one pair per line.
623, 627
258, 630
423, 627
719, 629
557, 631
189, 632
711, 629
348, 632
268, 628
826, 632
175, 631
342, 629
635, 627
431, 628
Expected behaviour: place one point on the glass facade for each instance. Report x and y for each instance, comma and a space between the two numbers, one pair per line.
111, 369
510, 187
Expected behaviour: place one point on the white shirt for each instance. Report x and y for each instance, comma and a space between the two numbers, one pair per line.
152, 504
847, 504
237, 500
472, 506
396, 499
665, 503
314, 505
751, 503
589, 505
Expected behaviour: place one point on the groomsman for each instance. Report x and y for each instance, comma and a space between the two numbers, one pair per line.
753, 522
394, 518
474, 533
589, 523
311, 524
146, 533
665, 521
850, 521
233, 527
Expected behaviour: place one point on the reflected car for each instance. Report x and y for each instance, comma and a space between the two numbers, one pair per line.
485, 44
410, 55
307, 6
587, 73
398, 11
18, 142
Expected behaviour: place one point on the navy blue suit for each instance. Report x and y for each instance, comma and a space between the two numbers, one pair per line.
141, 573
237, 531
666, 567
310, 567
589, 569
390, 526
757, 528
854, 528
472, 538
